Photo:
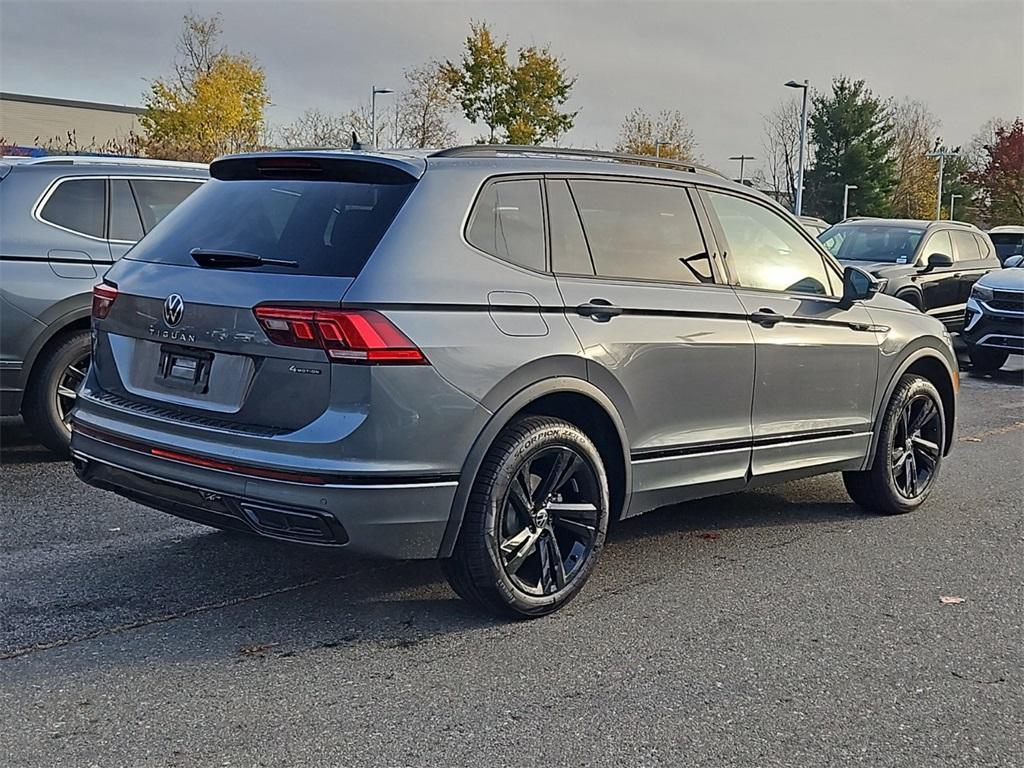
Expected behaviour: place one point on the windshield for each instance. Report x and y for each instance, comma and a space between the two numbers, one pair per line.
1007, 244
872, 242
326, 227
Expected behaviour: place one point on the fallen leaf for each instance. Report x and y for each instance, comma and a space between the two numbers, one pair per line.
256, 648
113, 530
971, 439
710, 536
951, 600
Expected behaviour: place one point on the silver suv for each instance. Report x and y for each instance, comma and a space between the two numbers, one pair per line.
63, 222
486, 354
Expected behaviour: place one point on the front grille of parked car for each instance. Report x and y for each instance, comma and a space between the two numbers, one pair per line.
1007, 301
167, 414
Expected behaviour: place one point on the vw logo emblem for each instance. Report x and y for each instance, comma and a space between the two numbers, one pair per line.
174, 308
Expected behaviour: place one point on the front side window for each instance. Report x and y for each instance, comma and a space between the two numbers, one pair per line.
938, 243
78, 205
766, 251
569, 252
507, 222
642, 231
158, 197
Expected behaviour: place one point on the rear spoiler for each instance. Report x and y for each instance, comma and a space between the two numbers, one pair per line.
356, 167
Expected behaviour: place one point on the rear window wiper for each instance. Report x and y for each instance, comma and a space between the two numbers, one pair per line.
205, 257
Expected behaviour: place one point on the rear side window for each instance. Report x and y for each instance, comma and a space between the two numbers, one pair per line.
642, 231
328, 227
966, 246
507, 222
78, 205
158, 197
124, 215
983, 247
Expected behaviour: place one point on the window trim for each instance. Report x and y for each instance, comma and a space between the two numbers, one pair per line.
470, 215
833, 270
37, 209
718, 275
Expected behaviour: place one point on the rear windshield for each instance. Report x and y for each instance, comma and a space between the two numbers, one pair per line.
865, 242
328, 227
1007, 244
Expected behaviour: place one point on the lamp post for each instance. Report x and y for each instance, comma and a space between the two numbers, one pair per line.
942, 155
798, 206
846, 197
952, 199
743, 159
374, 90
658, 145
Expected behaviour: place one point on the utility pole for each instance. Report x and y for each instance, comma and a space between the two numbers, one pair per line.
846, 197
743, 159
952, 199
942, 154
374, 90
806, 86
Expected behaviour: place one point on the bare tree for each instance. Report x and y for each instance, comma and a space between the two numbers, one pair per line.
424, 107
913, 195
641, 134
781, 144
198, 47
316, 129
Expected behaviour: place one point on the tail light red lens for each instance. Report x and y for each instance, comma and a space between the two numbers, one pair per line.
103, 297
346, 335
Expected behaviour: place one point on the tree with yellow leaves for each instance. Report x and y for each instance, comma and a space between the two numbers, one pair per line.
665, 134
213, 105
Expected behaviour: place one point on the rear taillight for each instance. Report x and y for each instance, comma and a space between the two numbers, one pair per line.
346, 335
103, 297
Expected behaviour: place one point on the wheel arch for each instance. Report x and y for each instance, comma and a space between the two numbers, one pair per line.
76, 320
929, 364
574, 400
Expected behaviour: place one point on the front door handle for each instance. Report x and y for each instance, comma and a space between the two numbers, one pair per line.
766, 317
599, 310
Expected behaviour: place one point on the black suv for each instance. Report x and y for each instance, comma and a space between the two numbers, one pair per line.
930, 264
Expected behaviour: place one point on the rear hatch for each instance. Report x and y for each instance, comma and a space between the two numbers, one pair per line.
279, 236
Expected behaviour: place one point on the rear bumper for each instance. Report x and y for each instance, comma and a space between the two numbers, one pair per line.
389, 517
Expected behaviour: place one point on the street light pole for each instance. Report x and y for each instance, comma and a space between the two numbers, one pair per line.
952, 199
374, 90
743, 159
846, 197
805, 85
658, 145
942, 155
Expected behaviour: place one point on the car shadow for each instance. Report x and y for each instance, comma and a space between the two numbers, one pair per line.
211, 595
19, 446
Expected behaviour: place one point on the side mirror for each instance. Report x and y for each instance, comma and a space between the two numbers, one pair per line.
1014, 261
936, 260
858, 285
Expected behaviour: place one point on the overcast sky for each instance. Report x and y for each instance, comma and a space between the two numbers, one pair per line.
721, 63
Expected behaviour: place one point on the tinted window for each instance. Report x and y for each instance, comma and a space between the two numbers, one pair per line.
645, 231
124, 216
328, 227
1007, 244
938, 243
869, 242
158, 197
966, 246
78, 204
508, 223
569, 252
766, 251
983, 247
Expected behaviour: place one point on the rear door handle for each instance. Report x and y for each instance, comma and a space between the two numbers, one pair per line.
767, 317
600, 310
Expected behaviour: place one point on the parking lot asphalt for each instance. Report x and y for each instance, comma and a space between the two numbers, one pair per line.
782, 627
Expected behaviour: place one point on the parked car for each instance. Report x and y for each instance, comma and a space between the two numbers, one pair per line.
994, 321
813, 224
63, 222
484, 354
929, 264
1008, 240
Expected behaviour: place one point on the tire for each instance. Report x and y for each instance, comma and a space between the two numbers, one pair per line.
984, 360
886, 487
45, 411
535, 521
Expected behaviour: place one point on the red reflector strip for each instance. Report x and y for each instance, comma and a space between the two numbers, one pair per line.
224, 466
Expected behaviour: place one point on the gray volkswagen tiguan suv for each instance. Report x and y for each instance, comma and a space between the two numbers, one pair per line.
63, 222
486, 354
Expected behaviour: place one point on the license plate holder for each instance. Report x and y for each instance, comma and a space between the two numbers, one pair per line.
184, 368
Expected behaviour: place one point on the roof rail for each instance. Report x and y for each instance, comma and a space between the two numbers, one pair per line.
110, 160
498, 150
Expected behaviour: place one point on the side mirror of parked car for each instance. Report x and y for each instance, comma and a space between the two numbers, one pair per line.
936, 260
1014, 261
858, 285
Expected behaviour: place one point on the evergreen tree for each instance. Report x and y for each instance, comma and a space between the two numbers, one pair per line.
852, 133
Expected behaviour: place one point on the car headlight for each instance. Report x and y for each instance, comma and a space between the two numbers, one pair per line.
981, 293
882, 283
